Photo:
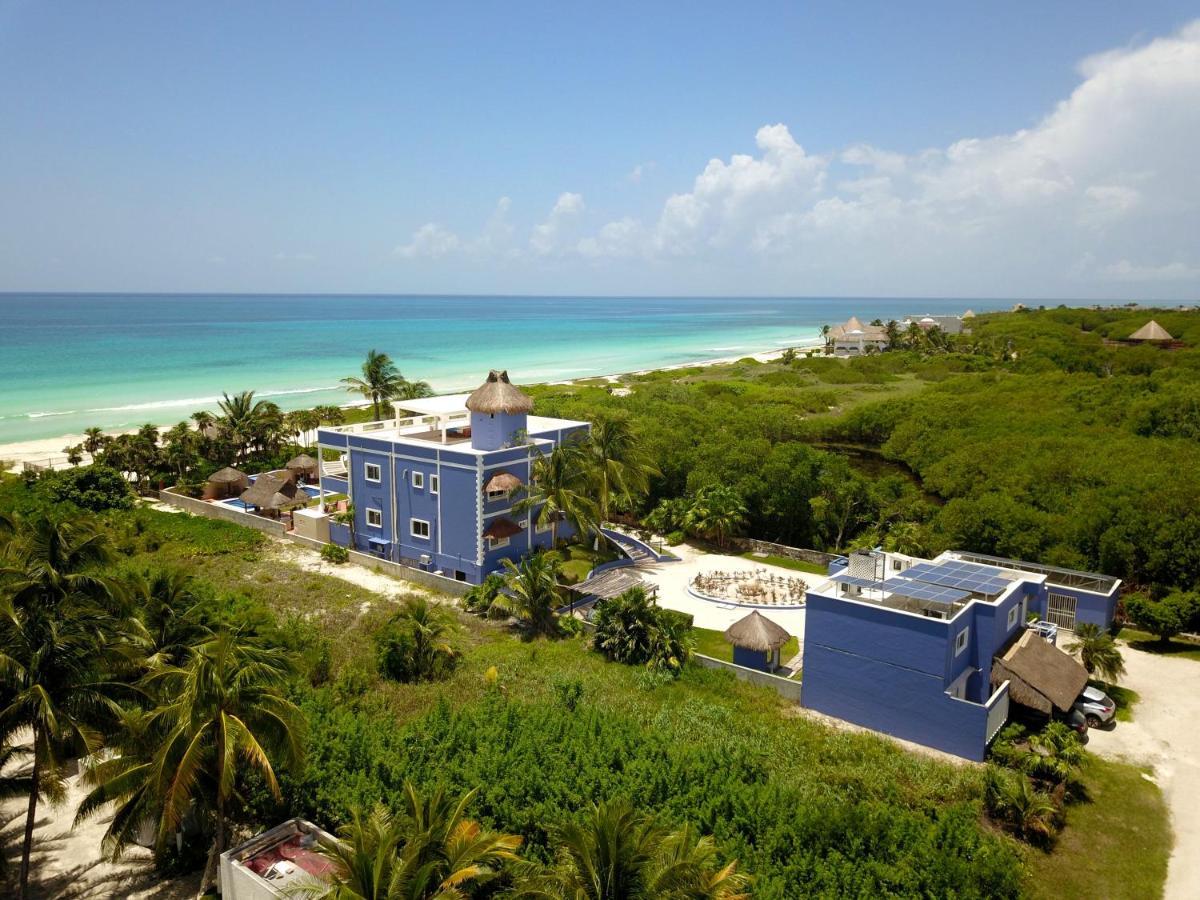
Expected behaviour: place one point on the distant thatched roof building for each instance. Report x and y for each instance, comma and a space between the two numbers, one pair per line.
1040, 675
229, 475
756, 632
273, 492
1151, 331
499, 395
302, 463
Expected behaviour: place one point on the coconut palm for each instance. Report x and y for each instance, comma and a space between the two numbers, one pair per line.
94, 440
180, 451
616, 465
64, 643
532, 592
223, 711
381, 382
558, 490
1098, 652
168, 602
248, 422
413, 645
330, 415
1012, 797
430, 851
717, 513
617, 853
302, 423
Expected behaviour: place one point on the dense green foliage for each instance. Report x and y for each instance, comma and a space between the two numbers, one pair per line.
95, 488
632, 629
1031, 437
1177, 612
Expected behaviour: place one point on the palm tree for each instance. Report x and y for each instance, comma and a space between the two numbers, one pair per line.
63, 645
1098, 652
168, 605
224, 710
419, 650
895, 341
249, 422
180, 451
302, 423
94, 440
330, 415
431, 851
717, 513
825, 329
382, 382
532, 592
616, 464
1012, 797
620, 854
558, 490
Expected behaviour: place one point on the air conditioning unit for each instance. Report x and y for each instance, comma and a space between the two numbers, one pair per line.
524, 523
426, 559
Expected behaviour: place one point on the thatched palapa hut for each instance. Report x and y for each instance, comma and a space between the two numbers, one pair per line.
226, 482
499, 395
303, 465
1151, 331
501, 529
1039, 675
502, 482
273, 493
756, 642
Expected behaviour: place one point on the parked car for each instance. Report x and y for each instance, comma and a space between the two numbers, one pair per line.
1096, 706
1077, 721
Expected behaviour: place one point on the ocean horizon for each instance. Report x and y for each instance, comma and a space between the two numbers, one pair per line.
117, 361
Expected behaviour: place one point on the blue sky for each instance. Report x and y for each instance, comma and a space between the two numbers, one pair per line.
1023, 149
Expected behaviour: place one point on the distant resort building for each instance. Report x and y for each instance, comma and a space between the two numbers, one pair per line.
908, 646
435, 490
855, 339
947, 324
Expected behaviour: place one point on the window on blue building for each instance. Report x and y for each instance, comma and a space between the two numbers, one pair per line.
373, 472
433, 484
374, 518
419, 528
418, 479
960, 642
1012, 616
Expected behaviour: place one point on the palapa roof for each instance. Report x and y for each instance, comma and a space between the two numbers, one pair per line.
273, 492
303, 461
756, 632
228, 475
502, 528
499, 395
853, 328
503, 481
1151, 331
1039, 674
606, 585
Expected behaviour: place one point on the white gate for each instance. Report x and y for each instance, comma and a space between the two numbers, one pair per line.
1060, 609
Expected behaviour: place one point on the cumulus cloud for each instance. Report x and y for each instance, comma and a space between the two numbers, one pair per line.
1103, 190
548, 236
430, 241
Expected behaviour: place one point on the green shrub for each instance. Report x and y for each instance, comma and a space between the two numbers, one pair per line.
96, 488
1165, 618
333, 553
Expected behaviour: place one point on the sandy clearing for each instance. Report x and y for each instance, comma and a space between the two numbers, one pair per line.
672, 579
1165, 734
378, 582
66, 862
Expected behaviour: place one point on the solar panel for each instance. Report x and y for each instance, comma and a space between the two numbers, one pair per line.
958, 574
920, 590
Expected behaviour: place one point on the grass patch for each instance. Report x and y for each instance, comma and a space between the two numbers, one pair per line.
1116, 844
712, 643
1177, 646
785, 562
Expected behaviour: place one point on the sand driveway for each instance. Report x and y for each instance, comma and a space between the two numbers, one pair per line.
1165, 733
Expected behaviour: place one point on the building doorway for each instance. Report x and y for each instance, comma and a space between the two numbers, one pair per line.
1060, 609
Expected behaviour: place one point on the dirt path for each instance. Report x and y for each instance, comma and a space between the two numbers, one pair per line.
1165, 733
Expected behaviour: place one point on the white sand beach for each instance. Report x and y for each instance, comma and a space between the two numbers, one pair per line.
50, 451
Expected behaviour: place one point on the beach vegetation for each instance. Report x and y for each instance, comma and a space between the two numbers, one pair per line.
631, 628
333, 553
413, 645
1098, 652
382, 382
531, 593
94, 488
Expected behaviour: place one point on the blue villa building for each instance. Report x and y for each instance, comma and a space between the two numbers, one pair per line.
435, 490
905, 645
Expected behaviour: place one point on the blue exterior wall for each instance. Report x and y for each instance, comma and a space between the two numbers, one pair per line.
1098, 609
491, 431
457, 513
890, 671
751, 659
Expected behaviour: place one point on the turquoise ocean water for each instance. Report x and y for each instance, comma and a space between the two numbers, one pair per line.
70, 361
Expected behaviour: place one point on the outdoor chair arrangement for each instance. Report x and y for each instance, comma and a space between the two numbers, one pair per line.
757, 587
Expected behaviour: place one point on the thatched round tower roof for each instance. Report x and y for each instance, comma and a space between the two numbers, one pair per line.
499, 395
756, 632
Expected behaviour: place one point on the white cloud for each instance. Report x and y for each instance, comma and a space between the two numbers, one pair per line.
625, 237
1124, 270
284, 256
641, 169
547, 237
430, 241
